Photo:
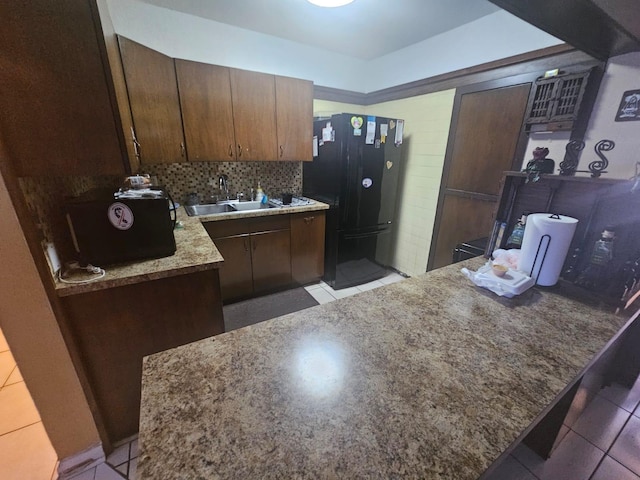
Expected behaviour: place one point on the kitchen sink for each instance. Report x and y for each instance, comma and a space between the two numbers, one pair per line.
224, 207
208, 209
243, 206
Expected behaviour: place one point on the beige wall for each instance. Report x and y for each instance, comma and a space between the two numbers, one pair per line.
427, 120
35, 340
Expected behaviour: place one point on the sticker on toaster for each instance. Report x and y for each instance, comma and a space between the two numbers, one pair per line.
367, 182
120, 216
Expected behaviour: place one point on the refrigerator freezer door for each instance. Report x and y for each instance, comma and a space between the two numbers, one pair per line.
371, 179
359, 257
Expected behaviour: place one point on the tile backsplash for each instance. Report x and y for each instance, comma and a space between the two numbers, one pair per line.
46, 196
202, 178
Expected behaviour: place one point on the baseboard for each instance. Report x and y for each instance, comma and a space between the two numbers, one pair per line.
81, 461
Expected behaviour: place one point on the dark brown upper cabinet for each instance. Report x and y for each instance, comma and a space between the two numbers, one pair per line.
254, 112
601, 28
294, 109
185, 110
59, 112
207, 110
155, 107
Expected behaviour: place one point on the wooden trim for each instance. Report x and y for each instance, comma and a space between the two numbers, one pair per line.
472, 195
338, 95
536, 62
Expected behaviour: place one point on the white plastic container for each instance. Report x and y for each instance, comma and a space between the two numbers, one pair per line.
509, 285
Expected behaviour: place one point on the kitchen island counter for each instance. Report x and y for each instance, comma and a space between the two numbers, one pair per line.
430, 377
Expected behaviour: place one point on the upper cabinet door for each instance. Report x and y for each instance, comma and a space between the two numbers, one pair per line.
294, 118
207, 113
155, 107
58, 110
254, 112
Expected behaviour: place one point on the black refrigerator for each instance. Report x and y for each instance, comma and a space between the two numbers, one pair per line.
356, 171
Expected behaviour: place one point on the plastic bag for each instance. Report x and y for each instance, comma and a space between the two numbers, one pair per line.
511, 284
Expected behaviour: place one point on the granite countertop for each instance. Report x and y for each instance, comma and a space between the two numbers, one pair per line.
195, 251
431, 377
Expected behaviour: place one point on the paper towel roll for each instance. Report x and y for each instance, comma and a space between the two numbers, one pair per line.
560, 230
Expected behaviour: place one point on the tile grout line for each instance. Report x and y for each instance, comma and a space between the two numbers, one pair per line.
20, 428
15, 366
524, 466
606, 453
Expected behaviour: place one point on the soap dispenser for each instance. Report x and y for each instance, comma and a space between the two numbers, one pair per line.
259, 193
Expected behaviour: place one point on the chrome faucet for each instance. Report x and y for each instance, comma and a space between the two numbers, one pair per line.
224, 185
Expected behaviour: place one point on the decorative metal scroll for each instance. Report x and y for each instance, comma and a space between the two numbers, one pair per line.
569, 165
598, 167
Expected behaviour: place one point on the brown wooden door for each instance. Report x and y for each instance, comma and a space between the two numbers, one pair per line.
294, 117
254, 112
58, 115
207, 113
307, 247
155, 107
484, 142
236, 279
271, 259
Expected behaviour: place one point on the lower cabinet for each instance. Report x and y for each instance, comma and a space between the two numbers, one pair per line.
271, 260
236, 275
264, 254
307, 246
256, 252
110, 331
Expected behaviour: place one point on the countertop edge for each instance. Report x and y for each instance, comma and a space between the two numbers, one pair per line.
129, 274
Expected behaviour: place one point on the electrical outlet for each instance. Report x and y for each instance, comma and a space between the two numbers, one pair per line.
52, 257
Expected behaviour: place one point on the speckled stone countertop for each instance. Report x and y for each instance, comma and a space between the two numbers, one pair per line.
431, 377
195, 251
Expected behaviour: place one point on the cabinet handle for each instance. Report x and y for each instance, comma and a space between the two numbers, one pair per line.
230, 150
136, 144
182, 149
246, 247
308, 220
239, 150
281, 151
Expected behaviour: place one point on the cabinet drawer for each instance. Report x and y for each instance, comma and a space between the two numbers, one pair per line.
242, 226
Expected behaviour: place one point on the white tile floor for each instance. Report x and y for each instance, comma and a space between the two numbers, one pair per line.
323, 293
604, 444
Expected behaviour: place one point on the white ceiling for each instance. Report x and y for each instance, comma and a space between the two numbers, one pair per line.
365, 29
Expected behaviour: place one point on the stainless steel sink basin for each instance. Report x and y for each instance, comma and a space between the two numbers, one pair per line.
244, 206
209, 209
224, 207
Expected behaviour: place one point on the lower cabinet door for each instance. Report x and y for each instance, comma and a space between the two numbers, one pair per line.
307, 247
236, 273
271, 254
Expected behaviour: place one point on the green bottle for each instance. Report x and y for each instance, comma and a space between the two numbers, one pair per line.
515, 239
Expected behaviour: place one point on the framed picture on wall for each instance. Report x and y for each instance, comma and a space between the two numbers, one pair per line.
629, 109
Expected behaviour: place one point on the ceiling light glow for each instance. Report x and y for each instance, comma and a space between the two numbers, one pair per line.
330, 3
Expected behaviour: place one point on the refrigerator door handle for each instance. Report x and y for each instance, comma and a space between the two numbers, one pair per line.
350, 236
